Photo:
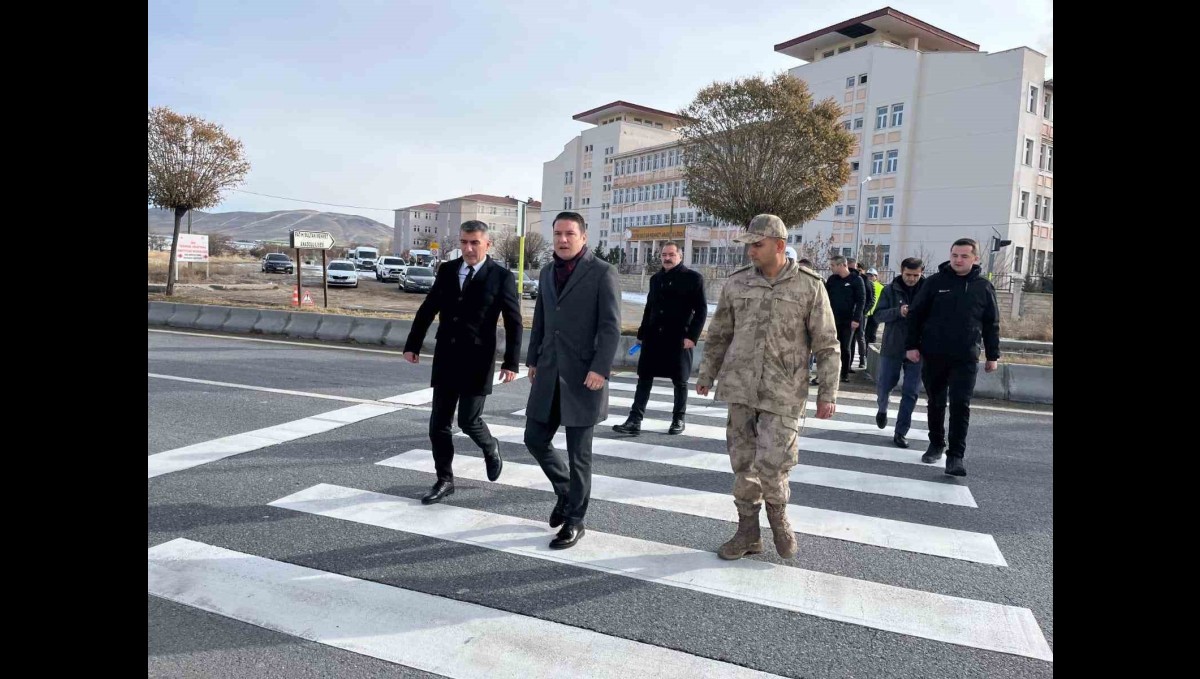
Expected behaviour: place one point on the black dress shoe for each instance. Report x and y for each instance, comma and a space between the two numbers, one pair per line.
556, 514
631, 426
881, 420
814, 381
933, 453
677, 425
493, 461
900, 441
567, 537
440, 490
954, 466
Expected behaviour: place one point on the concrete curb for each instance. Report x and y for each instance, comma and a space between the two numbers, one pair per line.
1012, 382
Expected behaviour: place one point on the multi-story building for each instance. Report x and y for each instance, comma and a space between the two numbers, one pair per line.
649, 205
435, 225
952, 142
581, 178
415, 227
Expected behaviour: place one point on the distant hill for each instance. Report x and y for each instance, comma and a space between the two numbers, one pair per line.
346, 229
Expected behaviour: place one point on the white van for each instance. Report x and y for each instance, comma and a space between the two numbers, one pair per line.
363, 257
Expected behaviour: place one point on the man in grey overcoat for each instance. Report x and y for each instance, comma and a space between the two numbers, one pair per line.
576, 327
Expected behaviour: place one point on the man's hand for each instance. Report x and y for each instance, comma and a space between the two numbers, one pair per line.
593, 381
903, 311
507, 376
532, 372
825, 410
703, 391
688, 344
854, 325
411, 357
990, 366
913, 356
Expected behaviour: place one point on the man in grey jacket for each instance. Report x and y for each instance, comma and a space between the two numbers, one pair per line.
892, 311
576, 326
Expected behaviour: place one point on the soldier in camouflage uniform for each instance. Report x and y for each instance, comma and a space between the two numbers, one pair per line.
769, 319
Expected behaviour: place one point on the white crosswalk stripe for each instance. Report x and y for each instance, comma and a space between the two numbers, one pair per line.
818, 476
967, 622
414, 629
812, 401
810, 422
430, 632
870, 530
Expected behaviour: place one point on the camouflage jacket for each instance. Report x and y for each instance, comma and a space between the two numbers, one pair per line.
761, 336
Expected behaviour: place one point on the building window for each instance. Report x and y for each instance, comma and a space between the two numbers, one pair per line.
843, 50
1042, 157
1049, 159
570, 177
849, 82
889, 206
846, 124
893, 161
858, 123
881, 117
1023, 209
683, 187
1046, 103
1037, 208
1046, 217
862, 79
828, 54
876, 163
838, 210
872, 208
1018, 259
1028, 152
854, 166
897, 115
1033, 99
851, 210
861, 43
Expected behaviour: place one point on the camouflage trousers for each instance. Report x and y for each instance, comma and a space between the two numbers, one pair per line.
762, 450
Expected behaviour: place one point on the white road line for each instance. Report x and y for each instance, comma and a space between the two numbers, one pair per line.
811, 404
878, 484
397, 352
431, 633
810, 422
978, 624
269, 390
197, 454
869, 530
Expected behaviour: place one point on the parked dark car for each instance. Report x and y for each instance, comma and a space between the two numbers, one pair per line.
277, 261
417, 279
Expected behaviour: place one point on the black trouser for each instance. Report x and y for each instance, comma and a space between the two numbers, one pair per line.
958, 378
575, 482
845, 334
872, 328
860, 344
642, 396
470, 411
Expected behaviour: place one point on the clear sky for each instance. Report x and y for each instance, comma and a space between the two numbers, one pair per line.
386, 104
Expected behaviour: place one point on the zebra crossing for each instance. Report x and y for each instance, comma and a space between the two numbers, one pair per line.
459, 639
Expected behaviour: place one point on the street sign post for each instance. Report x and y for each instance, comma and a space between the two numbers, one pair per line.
312, 240
521, 207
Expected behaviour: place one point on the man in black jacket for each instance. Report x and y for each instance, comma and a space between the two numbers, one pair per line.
858, 345
671, 325
469, 293
847, 297
892, 311
953, 314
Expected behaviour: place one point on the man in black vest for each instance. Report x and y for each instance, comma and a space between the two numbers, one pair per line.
671, 326
469, 293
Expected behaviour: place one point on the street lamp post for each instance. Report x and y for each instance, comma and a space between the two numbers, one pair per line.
858, 225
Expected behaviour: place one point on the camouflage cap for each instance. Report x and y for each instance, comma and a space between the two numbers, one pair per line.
763, 226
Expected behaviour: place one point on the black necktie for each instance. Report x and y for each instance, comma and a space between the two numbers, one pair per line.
470, 275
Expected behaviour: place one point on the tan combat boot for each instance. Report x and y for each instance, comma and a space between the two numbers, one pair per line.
747, 539
785, 539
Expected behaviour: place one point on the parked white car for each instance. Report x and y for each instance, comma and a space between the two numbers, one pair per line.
342, 272
389, 269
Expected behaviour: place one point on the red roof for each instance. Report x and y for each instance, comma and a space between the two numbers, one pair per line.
422, 206
619, 106
498, 200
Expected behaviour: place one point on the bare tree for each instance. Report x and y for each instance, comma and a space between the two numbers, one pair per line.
219, 244
537, 250
507, 248
753, 146
189, 163
817, 250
